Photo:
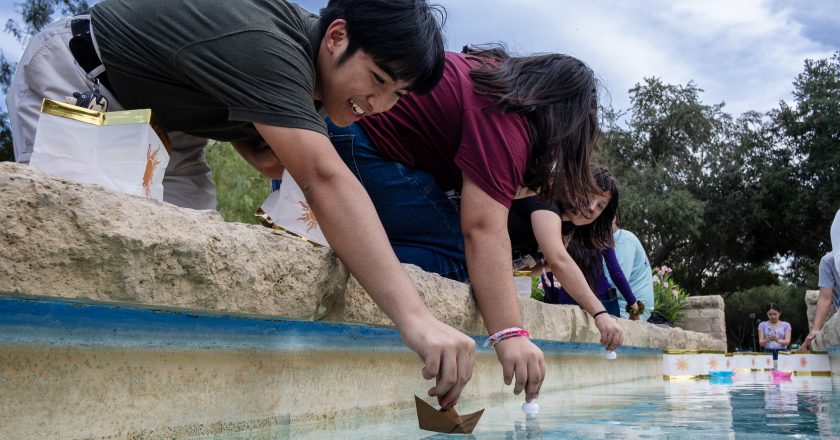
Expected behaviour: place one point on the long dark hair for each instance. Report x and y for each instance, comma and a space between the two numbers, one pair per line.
589, 262
598, 234
557, 94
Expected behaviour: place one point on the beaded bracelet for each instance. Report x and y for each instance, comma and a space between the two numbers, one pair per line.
501, 335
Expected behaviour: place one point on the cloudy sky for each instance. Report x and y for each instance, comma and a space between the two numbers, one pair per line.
745, 53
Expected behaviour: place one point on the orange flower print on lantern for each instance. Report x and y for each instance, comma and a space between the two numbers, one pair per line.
308, 216
767, 361
151, 163
682, 364
803, 361
713, 364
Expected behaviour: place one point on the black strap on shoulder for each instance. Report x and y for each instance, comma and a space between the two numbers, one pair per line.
81, 45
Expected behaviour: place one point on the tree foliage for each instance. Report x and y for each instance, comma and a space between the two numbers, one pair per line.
719, 199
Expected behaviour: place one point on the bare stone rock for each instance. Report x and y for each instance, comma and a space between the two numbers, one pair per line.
66, 240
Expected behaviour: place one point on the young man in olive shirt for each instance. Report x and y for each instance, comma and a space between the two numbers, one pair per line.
257, 73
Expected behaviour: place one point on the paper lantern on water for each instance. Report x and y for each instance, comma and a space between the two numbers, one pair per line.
714, 361
787, 361
683, 364
814, 363
742, 361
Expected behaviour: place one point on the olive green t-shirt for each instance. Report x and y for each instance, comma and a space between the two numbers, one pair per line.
212, 67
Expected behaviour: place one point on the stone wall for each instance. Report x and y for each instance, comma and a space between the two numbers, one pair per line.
811, 297
61, 239
705, 314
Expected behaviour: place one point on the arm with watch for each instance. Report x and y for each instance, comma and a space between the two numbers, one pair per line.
548, 232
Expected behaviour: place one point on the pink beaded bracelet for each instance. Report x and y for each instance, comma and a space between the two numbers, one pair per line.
501, 335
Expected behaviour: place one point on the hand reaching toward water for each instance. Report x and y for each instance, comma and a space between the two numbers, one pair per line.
522, 359
448, 355
611, 334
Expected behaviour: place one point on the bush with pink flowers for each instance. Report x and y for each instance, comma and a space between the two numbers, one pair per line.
670, 300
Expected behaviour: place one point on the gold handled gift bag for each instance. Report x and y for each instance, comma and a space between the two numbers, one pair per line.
120, 150
288, 209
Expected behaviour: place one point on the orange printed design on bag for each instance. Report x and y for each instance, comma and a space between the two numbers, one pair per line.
151, 163
308, 216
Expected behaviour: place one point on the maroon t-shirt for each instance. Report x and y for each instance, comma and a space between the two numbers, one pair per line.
452, 130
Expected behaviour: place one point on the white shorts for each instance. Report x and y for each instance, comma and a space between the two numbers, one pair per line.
48, 70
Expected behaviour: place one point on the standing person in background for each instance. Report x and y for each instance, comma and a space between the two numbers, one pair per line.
258, 73
773, 334
635, 266
829, 283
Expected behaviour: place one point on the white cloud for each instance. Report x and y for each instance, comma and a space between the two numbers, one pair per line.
745, 53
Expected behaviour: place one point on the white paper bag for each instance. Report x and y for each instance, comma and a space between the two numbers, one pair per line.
288, 209
118, 150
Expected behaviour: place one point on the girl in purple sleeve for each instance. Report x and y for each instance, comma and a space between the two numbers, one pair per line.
578, 269
539, 231
774, 334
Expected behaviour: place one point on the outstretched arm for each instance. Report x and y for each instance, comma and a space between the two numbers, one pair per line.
484, 223
349, 222
821, 315
548, 230
619, 279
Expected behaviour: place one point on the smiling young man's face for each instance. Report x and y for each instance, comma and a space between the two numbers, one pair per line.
356, 88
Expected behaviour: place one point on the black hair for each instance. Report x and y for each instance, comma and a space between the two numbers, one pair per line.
402, 36
773, 306
598, 235
557, 94
588, 260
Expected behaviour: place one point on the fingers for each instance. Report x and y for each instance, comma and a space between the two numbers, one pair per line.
464, 366
521, 377
536, 374
507, 371
431, 366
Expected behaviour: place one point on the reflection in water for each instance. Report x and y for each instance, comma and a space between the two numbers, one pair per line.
750, 405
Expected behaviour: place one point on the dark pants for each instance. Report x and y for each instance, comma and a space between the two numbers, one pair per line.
775, 352
422, 223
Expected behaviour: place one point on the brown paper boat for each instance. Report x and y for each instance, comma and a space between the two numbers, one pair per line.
448, 421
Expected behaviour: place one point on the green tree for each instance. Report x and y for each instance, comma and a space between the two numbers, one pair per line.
704, 192
811, 129
35, 14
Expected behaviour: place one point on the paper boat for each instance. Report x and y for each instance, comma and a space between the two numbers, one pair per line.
721, 373
781, 373
448, 421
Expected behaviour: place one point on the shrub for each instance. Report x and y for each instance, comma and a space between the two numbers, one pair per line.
670, 300
240, 189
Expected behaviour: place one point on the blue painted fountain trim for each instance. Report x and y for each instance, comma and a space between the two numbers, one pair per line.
29, 321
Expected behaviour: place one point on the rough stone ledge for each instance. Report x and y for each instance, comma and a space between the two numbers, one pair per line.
66, 240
